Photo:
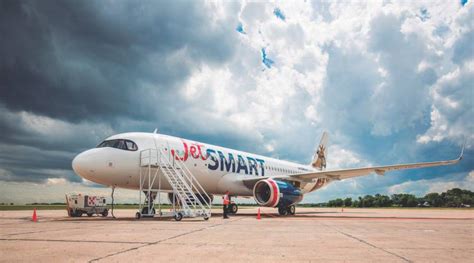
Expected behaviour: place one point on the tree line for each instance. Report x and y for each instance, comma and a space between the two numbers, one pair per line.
452, 198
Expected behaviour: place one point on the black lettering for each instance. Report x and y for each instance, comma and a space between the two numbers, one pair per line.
211, 153
242, 165
252, 165
227, 164
262, 165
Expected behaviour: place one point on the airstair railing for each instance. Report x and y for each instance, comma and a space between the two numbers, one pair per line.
197, 187
186, 184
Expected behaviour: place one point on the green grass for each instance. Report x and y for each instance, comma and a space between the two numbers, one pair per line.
31, 207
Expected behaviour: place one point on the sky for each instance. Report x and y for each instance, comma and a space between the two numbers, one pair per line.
391, 81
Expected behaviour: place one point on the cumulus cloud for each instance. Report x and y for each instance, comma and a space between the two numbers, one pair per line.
452, 107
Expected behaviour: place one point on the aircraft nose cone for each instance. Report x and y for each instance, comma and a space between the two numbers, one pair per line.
81, 165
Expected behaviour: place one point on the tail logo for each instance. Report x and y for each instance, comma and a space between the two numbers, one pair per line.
321, 161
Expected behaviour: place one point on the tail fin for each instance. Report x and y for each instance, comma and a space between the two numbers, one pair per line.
319, 158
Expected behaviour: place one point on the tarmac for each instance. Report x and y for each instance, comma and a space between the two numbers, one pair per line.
312, 235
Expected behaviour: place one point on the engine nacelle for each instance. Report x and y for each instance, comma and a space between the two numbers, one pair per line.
275, 193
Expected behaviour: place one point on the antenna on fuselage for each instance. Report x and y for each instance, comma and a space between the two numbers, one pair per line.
155, 131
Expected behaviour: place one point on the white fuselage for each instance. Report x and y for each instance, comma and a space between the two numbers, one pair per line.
217, 169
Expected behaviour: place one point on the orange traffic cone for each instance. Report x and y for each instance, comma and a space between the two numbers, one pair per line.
34, 218
258, 214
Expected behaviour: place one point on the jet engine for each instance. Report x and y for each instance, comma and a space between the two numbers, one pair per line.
275, 193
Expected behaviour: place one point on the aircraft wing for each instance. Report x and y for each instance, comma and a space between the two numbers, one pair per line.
353, 172
380, 170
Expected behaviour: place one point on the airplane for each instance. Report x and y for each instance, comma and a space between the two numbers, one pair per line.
271, 182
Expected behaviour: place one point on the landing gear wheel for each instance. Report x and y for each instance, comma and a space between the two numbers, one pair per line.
89, 214
138, 215
233, 208
206, 218
178, 217
105, 213
283, 211
291, 210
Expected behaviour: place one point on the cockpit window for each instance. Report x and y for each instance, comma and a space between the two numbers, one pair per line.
119, 144
131, 146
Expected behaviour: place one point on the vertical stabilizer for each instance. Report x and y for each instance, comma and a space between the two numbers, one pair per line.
319, 158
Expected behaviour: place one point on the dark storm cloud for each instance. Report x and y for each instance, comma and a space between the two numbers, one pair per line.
75, 72
88, 59
24, 163
46, 133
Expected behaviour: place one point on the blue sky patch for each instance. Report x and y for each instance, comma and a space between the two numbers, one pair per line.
240, 28
463, 2
279, 14
266, 61
424, 15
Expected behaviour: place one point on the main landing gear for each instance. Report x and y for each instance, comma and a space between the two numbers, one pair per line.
287, 210
233, 208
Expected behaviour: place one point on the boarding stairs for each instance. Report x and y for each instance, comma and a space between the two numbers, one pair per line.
155, 164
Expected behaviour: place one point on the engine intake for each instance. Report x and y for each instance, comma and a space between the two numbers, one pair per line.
273, 193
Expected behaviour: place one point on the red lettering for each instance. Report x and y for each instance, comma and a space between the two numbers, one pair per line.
185, 155
200, 152
194, 150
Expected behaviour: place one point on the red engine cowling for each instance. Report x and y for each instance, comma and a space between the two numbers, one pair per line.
275, 193
266, 193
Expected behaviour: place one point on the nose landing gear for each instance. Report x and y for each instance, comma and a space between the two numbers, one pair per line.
112, 196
